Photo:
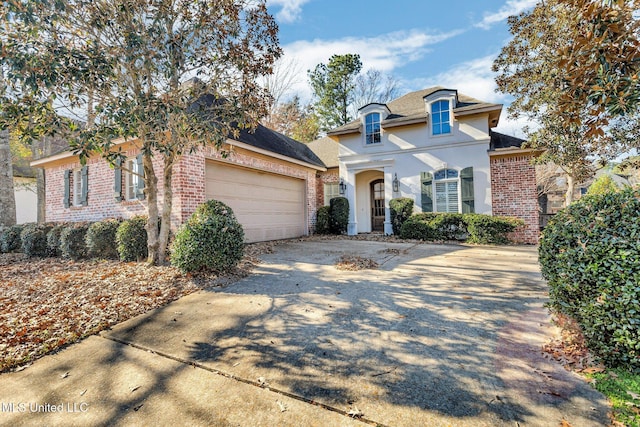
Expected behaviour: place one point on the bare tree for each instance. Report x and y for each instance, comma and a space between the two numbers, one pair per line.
373, 86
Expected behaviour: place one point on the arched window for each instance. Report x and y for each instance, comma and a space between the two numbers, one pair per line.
372, 128
440, 118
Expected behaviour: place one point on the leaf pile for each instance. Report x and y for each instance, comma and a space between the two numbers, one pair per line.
354, 263
46, 304
570, 349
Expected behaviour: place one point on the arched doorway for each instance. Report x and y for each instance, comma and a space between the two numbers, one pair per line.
377, 205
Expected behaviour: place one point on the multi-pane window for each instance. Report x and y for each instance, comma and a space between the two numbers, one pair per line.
440, 118
133, 178
77, 187
446, 186
372, 125
331, 191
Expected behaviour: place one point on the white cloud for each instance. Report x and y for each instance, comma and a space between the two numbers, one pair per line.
290, 9
385, 52
511, 7
476, 79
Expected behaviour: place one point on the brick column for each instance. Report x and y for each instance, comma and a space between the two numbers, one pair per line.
514, 192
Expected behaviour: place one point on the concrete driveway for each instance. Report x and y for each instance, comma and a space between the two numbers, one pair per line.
438, 335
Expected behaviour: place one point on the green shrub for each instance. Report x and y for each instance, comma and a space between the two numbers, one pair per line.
486, 229
322, 220
10, 239
602, 185
449, 226
53, 240
131, 239
101, 239
417, 228
589, 255
34, 240
72, 241
211, 239
401, 209
339, 215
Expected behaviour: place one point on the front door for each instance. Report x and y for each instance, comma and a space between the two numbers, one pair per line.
377, 205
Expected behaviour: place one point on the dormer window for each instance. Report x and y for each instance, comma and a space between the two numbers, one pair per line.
440, 118
372, 125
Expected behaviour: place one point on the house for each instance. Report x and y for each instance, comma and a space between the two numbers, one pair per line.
437, 147
327, 183
268, 179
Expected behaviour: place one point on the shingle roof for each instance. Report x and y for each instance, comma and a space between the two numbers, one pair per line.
410, 108
327, 150
499, 141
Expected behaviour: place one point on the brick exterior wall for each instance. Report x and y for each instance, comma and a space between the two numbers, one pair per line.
188, 185
514, 193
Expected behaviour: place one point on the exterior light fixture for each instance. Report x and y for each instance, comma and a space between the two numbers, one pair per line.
396, 183
343, 187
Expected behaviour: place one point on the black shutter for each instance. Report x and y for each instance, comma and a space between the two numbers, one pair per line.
466, 182
67, 188
117, 180
140, 170
426, 180
85, 185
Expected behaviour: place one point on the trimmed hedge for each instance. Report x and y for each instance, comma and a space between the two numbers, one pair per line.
211, 239
53, 240
34, 240
323, 220
485, 229
131, 239
10, 239
474, 228
589, 254
101, 239
72, 241
339, 215
401, 209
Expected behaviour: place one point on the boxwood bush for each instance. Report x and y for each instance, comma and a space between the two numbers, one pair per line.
474, 228
589, 254
10, 239
401, 209
101, 239
34, 239
322, 220
72, 241
131, 239
339, 215
211, 239
53, 240
486, 229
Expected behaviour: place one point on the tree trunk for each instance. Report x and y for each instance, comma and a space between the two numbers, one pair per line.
7, 195
41, 149
167, 205
151, 193
568, 198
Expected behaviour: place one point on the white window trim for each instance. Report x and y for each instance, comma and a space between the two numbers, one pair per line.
327, 196
365, 129
383, 111
77, 187
445, 181
131, 179
451, 120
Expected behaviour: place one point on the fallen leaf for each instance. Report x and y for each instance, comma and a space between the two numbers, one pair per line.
467, 297
635, 396
83, 392
134, 388
136, 408
282, 406
592, 369
355, 412
564, 423
65, 375
262, 382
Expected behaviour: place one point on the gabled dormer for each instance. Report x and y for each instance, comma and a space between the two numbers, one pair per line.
371, 117
439, 107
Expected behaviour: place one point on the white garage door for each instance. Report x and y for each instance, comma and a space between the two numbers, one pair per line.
268, 206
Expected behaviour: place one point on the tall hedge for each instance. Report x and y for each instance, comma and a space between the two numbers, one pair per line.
72, 241
34, 240
101, 239
401, 209
10, 239
131, 239
589, 254
323, 220
339, 215
211, 239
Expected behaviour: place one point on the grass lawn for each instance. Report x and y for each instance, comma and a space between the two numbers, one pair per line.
622, 388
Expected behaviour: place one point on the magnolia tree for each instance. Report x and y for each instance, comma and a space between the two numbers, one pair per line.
168, 75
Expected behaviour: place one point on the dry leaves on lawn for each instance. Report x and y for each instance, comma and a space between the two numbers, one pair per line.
570, 349
48, 303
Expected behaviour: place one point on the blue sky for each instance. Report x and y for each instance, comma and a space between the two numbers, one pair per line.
422, 43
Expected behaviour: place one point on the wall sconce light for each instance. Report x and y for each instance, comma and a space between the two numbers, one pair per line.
343, 187
396, 183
